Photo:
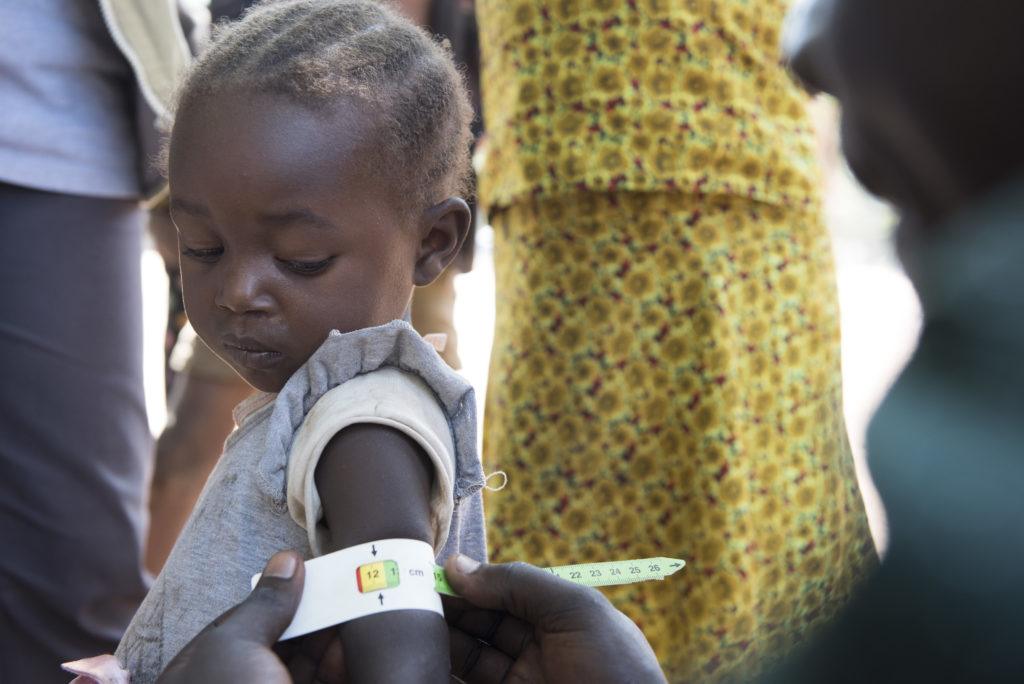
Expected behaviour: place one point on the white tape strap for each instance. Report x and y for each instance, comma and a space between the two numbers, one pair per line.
378, 577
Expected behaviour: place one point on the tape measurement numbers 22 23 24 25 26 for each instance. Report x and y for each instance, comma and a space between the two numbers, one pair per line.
606, 574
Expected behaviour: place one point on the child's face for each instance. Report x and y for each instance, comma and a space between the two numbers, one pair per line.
282, 237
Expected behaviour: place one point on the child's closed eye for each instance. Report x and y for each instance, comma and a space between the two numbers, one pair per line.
306, 267
207, 256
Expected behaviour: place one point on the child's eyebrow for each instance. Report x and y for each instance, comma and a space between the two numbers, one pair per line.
185, 206
297, 215
281, 218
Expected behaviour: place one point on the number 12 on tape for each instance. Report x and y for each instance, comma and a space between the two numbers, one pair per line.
377, 576
609, 573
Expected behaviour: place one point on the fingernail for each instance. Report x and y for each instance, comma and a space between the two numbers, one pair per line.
281, 566
465, 564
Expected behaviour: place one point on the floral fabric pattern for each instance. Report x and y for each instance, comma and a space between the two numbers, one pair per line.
665, 382
665, 378
650, 95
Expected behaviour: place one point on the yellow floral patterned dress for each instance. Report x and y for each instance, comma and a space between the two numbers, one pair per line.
665, 378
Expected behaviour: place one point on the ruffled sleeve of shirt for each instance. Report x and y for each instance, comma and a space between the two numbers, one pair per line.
389, 397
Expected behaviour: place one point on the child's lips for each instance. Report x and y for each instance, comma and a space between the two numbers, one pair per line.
251, 353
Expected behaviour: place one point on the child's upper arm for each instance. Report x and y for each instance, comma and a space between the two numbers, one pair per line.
375, 461
382, 432
375, 483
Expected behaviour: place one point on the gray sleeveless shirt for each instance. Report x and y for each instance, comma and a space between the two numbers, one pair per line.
242, 518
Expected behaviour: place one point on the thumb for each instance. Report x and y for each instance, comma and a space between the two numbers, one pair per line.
268, 610
521, 590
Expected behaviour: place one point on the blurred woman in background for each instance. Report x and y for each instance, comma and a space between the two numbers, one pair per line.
665, 377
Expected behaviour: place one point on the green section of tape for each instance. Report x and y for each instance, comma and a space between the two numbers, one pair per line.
605, 574
441, 582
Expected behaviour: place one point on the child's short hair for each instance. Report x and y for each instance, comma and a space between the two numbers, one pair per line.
316, 51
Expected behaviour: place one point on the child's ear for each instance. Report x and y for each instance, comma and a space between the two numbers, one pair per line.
443, 229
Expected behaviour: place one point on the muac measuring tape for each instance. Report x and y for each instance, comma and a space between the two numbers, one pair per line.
606, 574
400, 574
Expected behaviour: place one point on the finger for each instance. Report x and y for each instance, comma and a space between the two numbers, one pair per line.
303, 655
454, 607
474, 661
311, 645
332, 664
525, 591
267, 611
508, 634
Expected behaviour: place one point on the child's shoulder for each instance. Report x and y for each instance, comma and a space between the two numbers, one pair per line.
388, 375
377, 353
388, 395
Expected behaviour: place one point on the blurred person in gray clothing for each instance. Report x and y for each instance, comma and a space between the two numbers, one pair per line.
74, 440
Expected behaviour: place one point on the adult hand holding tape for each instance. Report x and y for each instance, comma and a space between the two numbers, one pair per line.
512, 619
517, 622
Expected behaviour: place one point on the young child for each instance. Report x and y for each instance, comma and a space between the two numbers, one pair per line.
315, 161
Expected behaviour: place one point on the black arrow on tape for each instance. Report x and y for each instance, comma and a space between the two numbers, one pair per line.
373, 549
381, 597
675, 565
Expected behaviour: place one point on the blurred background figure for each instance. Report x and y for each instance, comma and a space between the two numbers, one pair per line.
74, 440
665, 377
931, 121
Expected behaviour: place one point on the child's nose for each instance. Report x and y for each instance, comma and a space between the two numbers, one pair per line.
243, 289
